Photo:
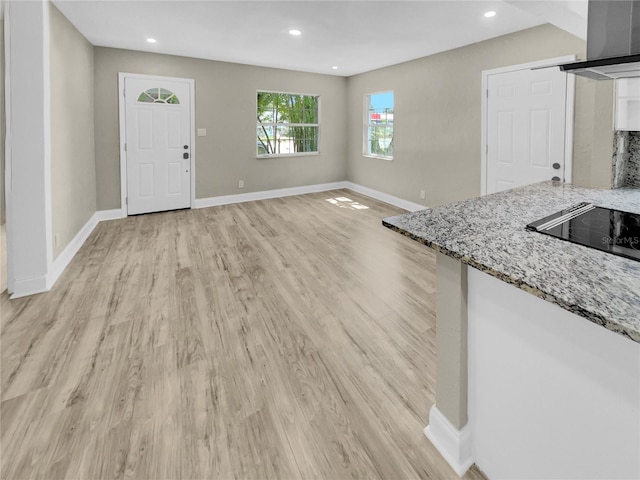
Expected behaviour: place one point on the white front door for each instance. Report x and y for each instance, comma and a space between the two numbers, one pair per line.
526, 112
158, 144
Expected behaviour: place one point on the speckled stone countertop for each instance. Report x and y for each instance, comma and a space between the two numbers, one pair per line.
488, 233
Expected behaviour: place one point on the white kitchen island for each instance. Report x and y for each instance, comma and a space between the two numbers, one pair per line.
538, 343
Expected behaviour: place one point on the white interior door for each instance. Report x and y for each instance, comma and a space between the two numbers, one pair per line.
526, 121
158, 144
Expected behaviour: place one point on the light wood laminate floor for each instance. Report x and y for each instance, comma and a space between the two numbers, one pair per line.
287, 338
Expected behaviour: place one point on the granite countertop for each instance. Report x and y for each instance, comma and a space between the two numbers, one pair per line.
488, 233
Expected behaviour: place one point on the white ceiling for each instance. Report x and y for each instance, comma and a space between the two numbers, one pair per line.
356, 36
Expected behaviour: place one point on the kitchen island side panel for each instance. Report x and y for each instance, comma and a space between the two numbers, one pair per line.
550, 395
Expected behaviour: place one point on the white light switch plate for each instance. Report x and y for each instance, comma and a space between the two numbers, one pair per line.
202, 132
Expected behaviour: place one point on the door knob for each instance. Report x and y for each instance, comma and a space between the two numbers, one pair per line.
186, 147
556, 166
185, 155
556, 179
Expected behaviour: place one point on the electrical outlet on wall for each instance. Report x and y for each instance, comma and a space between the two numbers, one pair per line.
423, 194
240, 183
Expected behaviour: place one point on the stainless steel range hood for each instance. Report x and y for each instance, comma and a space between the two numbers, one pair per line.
613, 41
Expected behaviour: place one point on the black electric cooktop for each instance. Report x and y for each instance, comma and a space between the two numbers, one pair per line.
611, 231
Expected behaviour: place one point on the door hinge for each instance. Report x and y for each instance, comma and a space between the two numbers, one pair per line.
124, 93
125, 147
126, 201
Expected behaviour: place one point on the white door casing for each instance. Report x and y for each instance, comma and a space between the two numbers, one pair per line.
157, 170
527, 126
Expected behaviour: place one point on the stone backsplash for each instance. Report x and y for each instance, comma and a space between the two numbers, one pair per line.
626, 159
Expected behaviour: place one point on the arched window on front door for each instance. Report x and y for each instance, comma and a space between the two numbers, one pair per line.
158, 95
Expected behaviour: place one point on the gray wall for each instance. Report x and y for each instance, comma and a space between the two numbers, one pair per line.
437, 142
73, 176
2, 118
226, 107
593, 133
438, 118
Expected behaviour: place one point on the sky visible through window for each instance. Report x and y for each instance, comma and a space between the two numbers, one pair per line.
379, 125
380, 101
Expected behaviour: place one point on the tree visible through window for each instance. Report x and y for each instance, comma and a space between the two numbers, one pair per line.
158, 95
379, 125
287, 123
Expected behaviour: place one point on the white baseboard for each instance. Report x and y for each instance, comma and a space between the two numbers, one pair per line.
385, 197
23, 288
323, 187
104, 215
266, 194
30, 286
65, 257
453, 444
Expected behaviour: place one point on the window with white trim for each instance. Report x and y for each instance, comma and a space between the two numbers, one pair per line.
158, 95
378, 128
288, 124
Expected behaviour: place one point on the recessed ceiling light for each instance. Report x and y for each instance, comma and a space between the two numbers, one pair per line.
490, 14
151, 40
334, 67
295, 32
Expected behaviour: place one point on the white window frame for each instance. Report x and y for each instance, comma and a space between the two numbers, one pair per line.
366, 125
317, 125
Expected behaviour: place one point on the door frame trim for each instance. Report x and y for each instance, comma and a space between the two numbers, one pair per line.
123, 133
569, 109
